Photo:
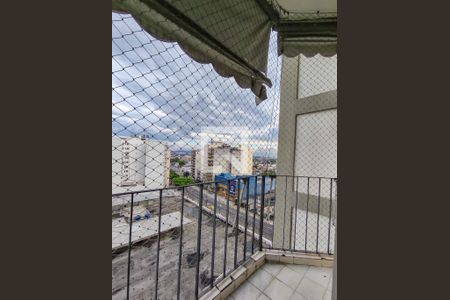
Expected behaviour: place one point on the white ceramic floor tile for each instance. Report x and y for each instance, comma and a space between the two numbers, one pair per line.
300, 269
273, 269
297, 296
276, 281
263, 297
278, 290
261, 279
310, 290
330, 284
289, 277
246, 292
320, 275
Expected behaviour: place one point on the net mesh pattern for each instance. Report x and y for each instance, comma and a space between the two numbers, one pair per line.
176, 122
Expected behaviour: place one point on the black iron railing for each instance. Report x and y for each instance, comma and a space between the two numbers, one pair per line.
178, 242
307, 218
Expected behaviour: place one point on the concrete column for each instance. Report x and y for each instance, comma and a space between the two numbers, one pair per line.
286, 151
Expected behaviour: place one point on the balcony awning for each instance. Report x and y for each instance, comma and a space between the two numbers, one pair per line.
307, 27
232, 35
308, 37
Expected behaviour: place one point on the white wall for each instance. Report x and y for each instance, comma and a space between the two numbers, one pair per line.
241, 160
137, 161
317, 74
196, 162
155, 165
148, 164
246, 160
316, 144
221, 160
116, 161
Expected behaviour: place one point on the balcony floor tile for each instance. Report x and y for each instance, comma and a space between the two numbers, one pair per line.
272, 268
319, 275
246, 291
278, 290
310, 290
289, 277
297, 296
261, 279
286, 282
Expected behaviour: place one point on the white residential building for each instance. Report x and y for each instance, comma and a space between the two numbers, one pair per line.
139, 162
218, 157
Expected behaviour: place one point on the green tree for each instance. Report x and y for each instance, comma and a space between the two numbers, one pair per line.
173, 174
268, 173
180, 181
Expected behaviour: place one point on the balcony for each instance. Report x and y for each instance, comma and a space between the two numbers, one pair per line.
252, 75
234, 247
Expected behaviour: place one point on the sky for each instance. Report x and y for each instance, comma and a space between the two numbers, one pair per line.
159, 91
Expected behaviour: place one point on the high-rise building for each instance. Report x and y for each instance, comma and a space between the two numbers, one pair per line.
137, 161
217, 157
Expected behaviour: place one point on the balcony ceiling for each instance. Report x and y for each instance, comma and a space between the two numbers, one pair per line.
309, 5
307, 27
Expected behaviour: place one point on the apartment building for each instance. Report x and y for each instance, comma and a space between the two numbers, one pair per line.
138, 161
218, 157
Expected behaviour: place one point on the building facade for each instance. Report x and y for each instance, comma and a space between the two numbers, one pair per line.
139, 162
217, 157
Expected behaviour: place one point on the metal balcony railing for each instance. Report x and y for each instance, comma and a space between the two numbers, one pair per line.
178, 242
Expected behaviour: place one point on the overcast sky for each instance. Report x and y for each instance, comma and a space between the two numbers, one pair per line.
157, 90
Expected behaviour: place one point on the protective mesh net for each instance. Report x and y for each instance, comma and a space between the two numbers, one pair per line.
306, 185
177, 122
165, 106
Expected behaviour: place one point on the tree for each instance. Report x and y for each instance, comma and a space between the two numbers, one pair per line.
268, 173
180, 181
173, 174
